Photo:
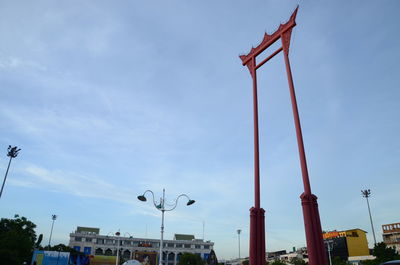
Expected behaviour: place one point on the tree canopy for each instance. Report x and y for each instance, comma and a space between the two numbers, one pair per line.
64, 248
190, 259
338, 261
17, 240
298, 261
277, 262
382, 254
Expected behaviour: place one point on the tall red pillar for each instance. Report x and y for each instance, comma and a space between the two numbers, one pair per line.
312, 223
257, 224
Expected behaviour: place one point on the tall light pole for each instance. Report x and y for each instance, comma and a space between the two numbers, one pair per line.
161, 207
117, 260
329, 246
53, 217
366, 194
238, 232
12, 152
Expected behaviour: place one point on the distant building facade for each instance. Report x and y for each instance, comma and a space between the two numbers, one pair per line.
391, 235
282, 255
347, 243
233, 261
299, 254
89, 241
272, 256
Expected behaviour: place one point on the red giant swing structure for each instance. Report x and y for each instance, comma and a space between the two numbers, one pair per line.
315, 244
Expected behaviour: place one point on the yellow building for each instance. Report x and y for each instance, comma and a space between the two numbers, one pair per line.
349, 243
357, 244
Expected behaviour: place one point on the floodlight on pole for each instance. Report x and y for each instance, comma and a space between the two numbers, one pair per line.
238, 232
161, 207
12, 152
53, 217
117, 259
366, 194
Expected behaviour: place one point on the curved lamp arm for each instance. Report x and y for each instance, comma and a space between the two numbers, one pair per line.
190, 202
143, 198
126, 233
114, 234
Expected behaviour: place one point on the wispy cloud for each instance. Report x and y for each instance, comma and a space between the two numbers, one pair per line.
72, 184
18, 63
107, 100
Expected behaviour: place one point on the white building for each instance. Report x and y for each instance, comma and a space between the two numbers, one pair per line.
290, 256
391, 235
89, 241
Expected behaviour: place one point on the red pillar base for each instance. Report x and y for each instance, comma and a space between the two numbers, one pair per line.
257, 236
312, 223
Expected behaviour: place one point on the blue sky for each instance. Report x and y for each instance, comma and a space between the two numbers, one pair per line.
111, 98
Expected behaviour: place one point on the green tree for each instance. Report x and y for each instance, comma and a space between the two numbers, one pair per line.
190, 259
17, 240
297, 261
246, 262
64, 248
338, 261
278, 262
382, 254
40, 238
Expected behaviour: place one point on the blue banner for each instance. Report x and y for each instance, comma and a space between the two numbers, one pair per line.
41, 257
77, 248
87, 250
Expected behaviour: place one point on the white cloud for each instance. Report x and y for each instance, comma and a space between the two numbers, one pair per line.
73, 184
20, 63
133, 96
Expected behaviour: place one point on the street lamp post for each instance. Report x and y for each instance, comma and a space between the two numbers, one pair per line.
53, 217
366, 194
329, 246
238, 232
129, 235
117, 234
12, 153
161, 207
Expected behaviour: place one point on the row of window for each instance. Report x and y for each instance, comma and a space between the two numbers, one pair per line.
102, 241
391, 227
391, 238
126, 253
